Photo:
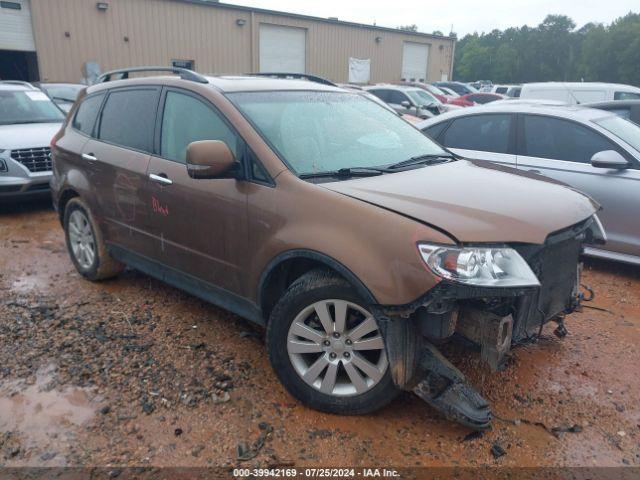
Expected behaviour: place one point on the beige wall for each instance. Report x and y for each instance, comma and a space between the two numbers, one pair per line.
161, 30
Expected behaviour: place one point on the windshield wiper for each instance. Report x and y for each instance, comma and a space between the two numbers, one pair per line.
346, 172
427, 159
24, 122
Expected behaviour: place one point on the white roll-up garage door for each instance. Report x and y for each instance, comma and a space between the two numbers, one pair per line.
415, 57
282, 49
16, 32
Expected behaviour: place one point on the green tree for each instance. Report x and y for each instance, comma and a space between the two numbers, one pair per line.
553, 50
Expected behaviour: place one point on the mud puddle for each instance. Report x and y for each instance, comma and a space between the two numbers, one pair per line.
39, 420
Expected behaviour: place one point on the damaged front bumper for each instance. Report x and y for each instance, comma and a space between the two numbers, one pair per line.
494, 318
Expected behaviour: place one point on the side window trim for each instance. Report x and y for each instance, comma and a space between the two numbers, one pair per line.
94, 132
98, 124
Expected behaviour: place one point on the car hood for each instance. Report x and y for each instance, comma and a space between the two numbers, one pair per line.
27, 135
474, 203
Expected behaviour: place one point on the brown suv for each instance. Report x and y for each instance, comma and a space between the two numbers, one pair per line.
355, 239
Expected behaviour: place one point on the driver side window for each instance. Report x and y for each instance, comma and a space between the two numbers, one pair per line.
187, 119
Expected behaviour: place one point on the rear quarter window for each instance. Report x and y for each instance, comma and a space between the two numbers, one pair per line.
87, 114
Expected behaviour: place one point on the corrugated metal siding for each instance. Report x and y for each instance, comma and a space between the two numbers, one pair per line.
15, 28
161, 30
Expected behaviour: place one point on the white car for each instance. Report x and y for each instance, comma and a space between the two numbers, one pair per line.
576, 93
28, 122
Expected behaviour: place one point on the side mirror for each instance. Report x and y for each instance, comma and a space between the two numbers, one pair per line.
432, 107
210, 159
609, 159
406, 104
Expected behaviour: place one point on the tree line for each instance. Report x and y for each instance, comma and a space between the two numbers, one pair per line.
555, 50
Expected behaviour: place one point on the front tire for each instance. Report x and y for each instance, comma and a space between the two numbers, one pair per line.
326, 347
85, 244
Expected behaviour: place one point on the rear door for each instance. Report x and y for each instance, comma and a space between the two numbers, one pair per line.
487, 136
118, 160
562, 149
199, 226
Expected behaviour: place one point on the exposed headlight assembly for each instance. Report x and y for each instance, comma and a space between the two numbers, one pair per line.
479, 266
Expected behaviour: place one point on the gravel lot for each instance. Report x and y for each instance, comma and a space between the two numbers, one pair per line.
134, 372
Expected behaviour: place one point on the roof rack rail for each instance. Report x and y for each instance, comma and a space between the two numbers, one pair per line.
18, 82
123, 73
296, 76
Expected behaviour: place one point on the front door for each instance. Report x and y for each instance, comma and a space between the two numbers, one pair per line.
199, 226
562, 149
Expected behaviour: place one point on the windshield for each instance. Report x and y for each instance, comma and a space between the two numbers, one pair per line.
67, 93
422, 97
626, 130
327, 131
33, 106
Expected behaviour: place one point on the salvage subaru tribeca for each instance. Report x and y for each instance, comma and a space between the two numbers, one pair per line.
356, 240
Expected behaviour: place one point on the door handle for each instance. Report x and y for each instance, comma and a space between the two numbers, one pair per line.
89, 157
160, 178
533, 170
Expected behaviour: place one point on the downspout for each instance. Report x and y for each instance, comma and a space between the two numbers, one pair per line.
453, 55
252, 49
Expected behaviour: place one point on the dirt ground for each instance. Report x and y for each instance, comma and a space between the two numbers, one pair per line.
134, 372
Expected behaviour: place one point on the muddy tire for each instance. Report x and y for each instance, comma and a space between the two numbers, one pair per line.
326, 348
85, 244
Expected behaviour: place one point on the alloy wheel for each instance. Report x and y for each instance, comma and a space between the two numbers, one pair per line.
81, 238
335, 346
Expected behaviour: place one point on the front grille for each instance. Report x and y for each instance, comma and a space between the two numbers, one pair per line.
555, 264
35, 159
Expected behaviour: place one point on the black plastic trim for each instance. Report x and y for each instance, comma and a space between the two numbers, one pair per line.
190, 284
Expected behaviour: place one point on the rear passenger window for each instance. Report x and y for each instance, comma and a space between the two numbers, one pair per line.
187, 119
381, 94
486, 133
397, 98
128, 118
87, 114
557, 139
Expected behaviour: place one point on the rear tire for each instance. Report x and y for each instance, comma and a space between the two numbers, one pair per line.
85, 243
326, 348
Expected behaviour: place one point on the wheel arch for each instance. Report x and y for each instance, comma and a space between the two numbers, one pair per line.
286, 267
64, 198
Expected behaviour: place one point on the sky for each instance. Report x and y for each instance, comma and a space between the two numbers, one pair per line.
466, 16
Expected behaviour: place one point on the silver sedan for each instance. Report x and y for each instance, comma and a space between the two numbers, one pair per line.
592, 150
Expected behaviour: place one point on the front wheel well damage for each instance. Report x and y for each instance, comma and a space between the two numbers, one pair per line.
288, 267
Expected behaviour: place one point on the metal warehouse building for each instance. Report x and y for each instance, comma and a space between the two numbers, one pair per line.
56, 40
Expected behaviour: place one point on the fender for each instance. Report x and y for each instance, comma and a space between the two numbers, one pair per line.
360, 287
